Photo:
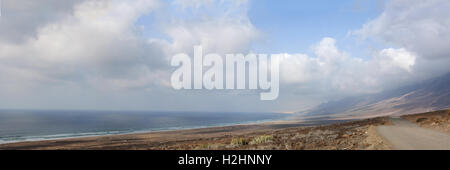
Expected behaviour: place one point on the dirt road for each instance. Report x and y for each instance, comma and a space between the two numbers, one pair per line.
404, 135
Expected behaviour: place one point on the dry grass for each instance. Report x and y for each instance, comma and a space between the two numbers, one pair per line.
238, 142
209, 146
262, 139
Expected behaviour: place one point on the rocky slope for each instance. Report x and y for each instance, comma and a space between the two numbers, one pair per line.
430, 95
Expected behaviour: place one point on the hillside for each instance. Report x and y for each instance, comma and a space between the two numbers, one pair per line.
430, 95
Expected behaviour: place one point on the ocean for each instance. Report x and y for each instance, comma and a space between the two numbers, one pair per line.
34, 125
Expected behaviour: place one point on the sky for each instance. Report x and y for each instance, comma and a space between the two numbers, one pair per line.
115, 55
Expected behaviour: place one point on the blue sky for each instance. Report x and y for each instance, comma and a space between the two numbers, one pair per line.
293, 26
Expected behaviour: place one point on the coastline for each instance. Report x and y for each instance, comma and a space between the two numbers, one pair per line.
66, 136
136, 140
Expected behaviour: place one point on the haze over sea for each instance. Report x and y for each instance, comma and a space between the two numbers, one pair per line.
32, 125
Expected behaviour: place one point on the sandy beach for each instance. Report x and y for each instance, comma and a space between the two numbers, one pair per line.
218, 137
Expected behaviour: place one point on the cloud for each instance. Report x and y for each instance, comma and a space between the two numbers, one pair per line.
95, 48
332, 71
416, 25
86, 53
219, 36
396, 58
416, 33
414, 36
21, 18
195, 4
98, 39
297, 68
223, 28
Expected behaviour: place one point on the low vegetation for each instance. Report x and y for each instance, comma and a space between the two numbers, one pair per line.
238, 142
262, 139
209, 146
342, 136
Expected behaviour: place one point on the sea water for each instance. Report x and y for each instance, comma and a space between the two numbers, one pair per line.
33, 125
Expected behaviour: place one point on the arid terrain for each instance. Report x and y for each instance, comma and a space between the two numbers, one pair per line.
284, 135
437, 120
274, 135
355, 135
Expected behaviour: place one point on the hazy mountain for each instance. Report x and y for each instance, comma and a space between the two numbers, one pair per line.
433, 94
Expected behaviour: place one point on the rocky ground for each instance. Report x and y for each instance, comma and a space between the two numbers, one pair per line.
356, 135
437, 120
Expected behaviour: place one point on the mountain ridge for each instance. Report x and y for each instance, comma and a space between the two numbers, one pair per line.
429, 95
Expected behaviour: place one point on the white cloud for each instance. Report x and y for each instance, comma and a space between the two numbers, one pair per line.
297, 68
221, 36
419, 26
99, 38
397, 58
97, 47
417, 33
333, 71
21, 18
93, 50
223, 28
195, 4
327, 51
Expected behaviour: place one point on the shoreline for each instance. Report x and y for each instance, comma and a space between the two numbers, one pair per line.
158, 139
156, 130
